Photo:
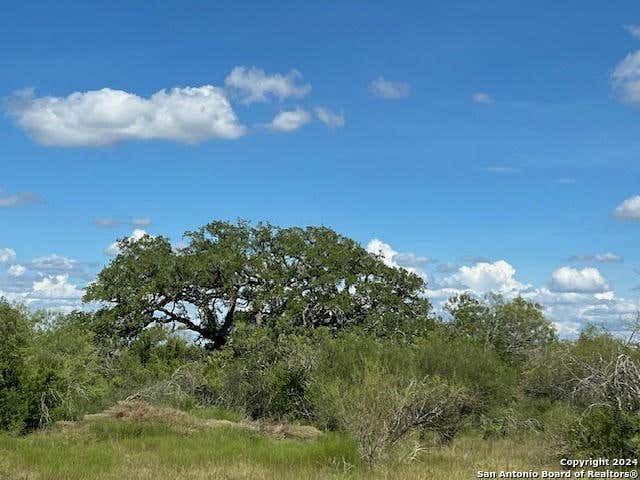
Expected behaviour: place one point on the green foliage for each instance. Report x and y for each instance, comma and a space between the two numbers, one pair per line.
264, 374
603, 431
157, 366
48, 369
513, 329
375, 390
15, 339
307, 277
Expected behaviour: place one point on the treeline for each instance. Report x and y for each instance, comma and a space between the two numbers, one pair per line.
303, 325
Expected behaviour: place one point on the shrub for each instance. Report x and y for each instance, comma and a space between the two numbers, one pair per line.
603, 431
15, 339
48, 369
265, 374
374, 389
380, 410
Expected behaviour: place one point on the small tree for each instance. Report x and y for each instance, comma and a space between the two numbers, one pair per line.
512, 329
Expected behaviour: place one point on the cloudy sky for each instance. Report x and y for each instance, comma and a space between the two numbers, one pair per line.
484, 145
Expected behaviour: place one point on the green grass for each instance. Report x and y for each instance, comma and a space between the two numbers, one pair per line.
116, 450
216, 413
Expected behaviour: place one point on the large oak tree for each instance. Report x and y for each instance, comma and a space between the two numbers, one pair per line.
256, 273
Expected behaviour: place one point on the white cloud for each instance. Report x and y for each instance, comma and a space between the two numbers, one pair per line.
19, 199
629, 209
633, 30
329, 118
55, 287
481, 97
254, 85
53, 263
606, 257
7, 255
587, 280
16, 270
391, 258
625, 78
411, 260
388, 89
485, 277
108, 116
110, 222
290, 120
114, 249
140, 222
383, 250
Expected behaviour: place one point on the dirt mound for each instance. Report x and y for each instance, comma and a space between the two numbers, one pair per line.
183, 422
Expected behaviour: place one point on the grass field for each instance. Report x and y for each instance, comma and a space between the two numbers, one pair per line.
108, 449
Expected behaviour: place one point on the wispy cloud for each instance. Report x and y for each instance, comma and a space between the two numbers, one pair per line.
111, 222
19, 199
633, 30
255, 85
290, 120
329, 118
388, 89
606, 257
565, 181
500, 169
482, 97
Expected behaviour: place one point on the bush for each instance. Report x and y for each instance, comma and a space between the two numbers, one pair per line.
381, 409
157, 366
374, 389
265, 374
605, 432
17, 333
48, 370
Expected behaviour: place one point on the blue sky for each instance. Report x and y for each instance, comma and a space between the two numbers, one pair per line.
471, 133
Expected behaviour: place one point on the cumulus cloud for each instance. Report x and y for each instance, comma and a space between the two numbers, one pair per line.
16, 270
290, 120
329, 118
110, 222
587, 280
485, 277
108, 116
57, 287
7, 255
629, 209
606, 257
481, 97
255, 85
19, 199
391, 258
114, 249
585, 296
625, 78
388, 89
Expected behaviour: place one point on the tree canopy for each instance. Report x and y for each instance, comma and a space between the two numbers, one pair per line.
256, 273
510, 328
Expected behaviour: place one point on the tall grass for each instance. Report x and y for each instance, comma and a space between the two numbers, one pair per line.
111, 450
